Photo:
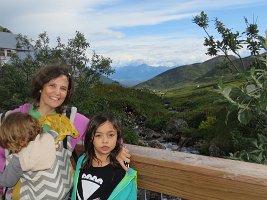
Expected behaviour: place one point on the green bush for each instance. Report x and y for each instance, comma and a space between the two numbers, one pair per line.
208, 123
129, 136
158, 123
256, 151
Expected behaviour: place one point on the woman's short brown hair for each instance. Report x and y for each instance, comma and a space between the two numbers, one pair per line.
17, 130
46, 74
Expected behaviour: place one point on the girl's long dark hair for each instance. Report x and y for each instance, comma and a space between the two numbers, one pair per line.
96, 122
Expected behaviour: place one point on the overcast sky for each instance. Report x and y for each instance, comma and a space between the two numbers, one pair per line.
154, 32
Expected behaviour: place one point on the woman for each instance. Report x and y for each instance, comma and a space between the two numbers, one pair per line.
52, 88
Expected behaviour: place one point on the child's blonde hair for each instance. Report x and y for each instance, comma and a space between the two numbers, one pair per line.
17, 130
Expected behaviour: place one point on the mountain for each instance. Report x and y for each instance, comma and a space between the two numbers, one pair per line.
188, 73
132, 75
106, 80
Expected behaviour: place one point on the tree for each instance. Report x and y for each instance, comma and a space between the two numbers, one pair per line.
249, 98
16, 76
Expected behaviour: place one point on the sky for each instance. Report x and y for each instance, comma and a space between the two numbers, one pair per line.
132, 32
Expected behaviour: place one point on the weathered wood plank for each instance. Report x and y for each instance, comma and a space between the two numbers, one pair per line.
198, 177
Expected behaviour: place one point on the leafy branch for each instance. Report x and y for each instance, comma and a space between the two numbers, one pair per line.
249, 98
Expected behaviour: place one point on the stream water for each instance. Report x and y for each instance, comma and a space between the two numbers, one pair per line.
171, 146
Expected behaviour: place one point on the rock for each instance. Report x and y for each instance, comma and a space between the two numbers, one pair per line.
176, 126
149, 134
156, 144
142, 143
171, 138
187, 142
215, 151
156, 135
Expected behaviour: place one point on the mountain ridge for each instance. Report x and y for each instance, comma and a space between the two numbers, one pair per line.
188, 73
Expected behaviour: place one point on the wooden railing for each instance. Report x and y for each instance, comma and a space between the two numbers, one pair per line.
197, 177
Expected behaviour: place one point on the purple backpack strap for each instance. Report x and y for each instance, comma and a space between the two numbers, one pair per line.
23, 108
2, 159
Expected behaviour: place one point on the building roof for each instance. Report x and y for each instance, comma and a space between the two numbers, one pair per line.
8, 40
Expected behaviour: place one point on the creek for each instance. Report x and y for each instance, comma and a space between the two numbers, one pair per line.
172, 146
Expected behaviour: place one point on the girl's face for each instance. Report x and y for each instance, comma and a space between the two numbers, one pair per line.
104, 140
54, 93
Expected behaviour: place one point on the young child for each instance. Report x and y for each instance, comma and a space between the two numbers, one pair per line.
33, 159
98, 174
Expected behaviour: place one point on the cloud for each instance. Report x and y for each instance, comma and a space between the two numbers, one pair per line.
119, 28
155, 51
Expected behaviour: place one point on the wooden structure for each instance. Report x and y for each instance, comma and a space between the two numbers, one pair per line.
196, 177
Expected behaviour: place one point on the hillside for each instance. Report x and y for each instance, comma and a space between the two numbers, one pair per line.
106, 80
186, 73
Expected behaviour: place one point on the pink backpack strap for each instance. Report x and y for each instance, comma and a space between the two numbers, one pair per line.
2, 159
23, 108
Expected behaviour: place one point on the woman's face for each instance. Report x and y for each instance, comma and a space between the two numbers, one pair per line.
54, 93
105, 139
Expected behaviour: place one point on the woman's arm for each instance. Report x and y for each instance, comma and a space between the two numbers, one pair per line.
12, 173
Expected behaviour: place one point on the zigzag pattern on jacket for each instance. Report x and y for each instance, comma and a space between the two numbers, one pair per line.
52, 184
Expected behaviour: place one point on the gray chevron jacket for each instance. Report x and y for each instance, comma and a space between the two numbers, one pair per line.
54, 183
29, 159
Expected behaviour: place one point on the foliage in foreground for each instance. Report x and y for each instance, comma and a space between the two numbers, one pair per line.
248, 100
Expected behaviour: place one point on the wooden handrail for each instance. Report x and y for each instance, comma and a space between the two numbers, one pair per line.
197, 177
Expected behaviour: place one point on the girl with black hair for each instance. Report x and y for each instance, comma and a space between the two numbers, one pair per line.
98, 174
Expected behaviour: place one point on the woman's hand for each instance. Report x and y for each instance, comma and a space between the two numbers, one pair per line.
124, 158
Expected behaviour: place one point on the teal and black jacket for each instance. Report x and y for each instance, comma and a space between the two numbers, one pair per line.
126, 189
